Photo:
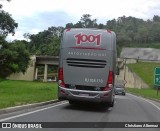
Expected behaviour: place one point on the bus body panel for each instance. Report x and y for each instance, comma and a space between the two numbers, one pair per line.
84, 37
87, 57
87, 71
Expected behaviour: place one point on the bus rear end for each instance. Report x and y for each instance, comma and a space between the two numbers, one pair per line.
87, 66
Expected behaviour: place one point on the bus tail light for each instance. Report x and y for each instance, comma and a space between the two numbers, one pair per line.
60, 78
109, 84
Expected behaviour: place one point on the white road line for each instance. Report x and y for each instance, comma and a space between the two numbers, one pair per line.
147, 101
24, 114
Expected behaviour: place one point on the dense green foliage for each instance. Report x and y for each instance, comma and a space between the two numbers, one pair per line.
7, 24
14, 57
130, 31
14, 93
145, 70
46, 42
135, 30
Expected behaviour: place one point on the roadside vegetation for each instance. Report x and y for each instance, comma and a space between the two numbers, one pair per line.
15, 93
145, 70
146, 93
15, 55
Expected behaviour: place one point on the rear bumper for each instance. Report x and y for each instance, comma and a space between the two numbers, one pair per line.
83, 95
120, 92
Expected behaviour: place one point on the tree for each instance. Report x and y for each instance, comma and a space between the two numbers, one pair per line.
2, 5
46, 42
51, 48
7, 24
129, 30
78, 25
69, 25
101, 26
111, 24
156, 18
84, 22
155, 31
87, 22
16, 58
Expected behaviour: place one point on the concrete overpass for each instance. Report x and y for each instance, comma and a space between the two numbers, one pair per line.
45, 60
32, 71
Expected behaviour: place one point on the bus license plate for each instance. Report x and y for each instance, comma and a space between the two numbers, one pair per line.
82, 94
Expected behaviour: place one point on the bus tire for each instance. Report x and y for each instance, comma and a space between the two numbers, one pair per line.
71, 102
111, 104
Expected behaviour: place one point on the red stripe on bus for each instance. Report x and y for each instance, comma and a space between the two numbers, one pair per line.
88, 48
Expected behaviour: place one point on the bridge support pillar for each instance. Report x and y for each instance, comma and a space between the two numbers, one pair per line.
36, 74
45, 73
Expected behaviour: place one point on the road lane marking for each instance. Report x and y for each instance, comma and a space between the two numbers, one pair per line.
147, 101
28, 113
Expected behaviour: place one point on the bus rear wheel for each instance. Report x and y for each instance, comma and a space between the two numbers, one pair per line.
72, 102
108, 104
111, 104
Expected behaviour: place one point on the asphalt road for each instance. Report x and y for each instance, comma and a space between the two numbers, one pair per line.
127, 109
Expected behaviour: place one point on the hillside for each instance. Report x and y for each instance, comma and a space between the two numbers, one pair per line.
145, 70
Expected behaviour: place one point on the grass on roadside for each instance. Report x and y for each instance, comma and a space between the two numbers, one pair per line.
14, 93
147, 93
145, 70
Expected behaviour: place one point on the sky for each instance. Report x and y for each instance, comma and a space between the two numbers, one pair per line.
34, 16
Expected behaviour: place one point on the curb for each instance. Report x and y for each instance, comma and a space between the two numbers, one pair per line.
25, 107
